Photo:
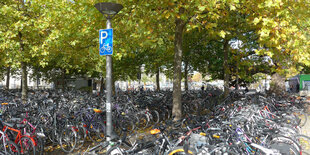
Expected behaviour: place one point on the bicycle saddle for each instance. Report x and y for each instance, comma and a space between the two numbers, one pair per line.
97, 110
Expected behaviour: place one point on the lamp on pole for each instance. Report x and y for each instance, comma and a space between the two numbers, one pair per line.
109, 10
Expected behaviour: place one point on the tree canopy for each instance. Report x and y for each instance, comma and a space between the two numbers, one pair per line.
61, 37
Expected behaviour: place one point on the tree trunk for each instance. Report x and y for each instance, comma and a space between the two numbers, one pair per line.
24, 85
157, 80
101, 86
226, 68
21, 85
63, 79
177, 76
24, 82
113, 86
38, 80
8, 71
237, 78
186, 76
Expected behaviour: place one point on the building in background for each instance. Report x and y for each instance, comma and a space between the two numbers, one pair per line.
15, 82
299, 84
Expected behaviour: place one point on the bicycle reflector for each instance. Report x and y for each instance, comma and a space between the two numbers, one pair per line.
154, 131
97, 110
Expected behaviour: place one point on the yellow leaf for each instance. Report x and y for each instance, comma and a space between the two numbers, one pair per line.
232, 7
256, 20
222, 34
167, 15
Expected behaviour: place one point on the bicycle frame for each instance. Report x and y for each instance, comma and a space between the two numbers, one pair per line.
18, 136
4, 138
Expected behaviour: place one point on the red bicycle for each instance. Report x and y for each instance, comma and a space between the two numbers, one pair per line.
26, 143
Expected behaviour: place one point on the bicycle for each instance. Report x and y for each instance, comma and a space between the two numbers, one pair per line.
27, 144
9, 147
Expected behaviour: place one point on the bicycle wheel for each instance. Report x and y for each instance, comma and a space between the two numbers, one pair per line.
163, 114
40, 138
97, 131
12, 148
52, 134
167, 114
285, 145
81, 135
27, 146
180, 150
124, 122
288, 131
301, 116
143, 120
115, 151
67, 139
134, 119
40, 145
155, 116
304, 142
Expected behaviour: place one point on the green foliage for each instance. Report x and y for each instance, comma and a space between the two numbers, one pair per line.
63, 36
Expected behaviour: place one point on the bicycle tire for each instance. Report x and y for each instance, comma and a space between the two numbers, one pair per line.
155, 116
97, 131
143, 120
40, 145
41, 140
285, 145
53, 135
212, 149
12, 148
180, 151
27, 146
288, 131
124, 122
115, 150
67, 139
81, 136
127, 123
304, 142
167, 113
302, 121
134, 119
164, 114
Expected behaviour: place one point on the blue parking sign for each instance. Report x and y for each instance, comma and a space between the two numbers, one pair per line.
106, 41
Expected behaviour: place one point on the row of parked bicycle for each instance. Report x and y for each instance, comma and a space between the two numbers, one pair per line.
239, 124
71, 118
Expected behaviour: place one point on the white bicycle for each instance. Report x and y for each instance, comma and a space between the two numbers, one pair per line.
106, 48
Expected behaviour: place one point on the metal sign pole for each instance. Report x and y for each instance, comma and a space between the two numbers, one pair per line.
109, 9
109, 89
